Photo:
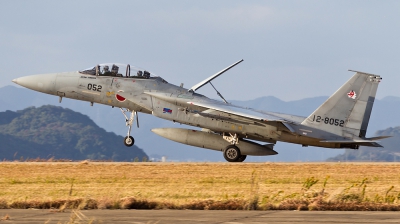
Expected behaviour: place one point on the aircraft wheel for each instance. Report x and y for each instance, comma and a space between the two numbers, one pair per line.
242, 158
232, 153
129, 141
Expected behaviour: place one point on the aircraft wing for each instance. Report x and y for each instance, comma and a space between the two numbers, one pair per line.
245, 113
219, 110
249, 115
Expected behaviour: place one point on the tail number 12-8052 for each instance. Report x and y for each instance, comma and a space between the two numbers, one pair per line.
94, 87
328, 120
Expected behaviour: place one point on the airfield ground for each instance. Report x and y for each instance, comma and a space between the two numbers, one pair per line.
243, 186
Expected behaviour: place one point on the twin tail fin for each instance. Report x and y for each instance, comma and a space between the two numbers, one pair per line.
347, 112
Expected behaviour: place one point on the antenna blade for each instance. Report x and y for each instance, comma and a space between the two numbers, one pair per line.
205, 81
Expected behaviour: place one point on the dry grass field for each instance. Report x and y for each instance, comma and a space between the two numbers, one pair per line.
302, 186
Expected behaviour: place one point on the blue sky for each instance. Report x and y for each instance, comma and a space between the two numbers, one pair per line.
291, 49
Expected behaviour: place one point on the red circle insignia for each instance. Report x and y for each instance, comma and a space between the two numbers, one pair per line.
119, 97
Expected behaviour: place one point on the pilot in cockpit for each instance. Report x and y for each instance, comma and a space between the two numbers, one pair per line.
106, 69
114, 70
146, 74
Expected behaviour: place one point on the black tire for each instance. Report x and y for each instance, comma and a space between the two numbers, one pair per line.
242, 158
232, 153
129, 141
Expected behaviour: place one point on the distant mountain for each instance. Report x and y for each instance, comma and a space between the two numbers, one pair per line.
389, 153
383, 115
51, 131
391, 99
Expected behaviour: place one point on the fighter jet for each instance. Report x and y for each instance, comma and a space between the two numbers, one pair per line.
340, 122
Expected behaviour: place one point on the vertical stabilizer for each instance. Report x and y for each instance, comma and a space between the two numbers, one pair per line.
346, 113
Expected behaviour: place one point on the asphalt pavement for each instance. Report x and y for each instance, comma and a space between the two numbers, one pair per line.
193, 216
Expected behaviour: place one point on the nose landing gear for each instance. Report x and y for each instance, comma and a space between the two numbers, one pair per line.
129, 140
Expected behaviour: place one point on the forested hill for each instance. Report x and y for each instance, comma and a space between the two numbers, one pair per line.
389, 153
51, 131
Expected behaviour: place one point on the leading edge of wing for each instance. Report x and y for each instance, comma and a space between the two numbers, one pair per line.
239, 111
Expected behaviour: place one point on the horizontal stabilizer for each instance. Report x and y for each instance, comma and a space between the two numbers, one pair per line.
378, 138
363, 142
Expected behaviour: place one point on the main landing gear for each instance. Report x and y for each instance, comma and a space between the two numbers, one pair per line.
232, 152
129, 140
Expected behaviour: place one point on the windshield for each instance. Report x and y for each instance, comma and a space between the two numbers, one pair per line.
118, 70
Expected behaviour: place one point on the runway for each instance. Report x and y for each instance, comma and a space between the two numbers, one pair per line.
194, 216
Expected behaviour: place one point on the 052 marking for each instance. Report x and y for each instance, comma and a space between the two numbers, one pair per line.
94, 87
327, 120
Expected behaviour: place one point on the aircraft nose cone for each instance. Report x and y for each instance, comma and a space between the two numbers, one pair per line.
29, 82
42, 83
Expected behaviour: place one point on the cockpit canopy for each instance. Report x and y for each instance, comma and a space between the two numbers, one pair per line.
118, 70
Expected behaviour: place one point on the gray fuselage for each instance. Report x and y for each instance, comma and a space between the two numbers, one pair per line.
174, 106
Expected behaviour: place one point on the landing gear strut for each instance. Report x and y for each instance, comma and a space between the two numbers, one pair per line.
129, 140
233, 139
